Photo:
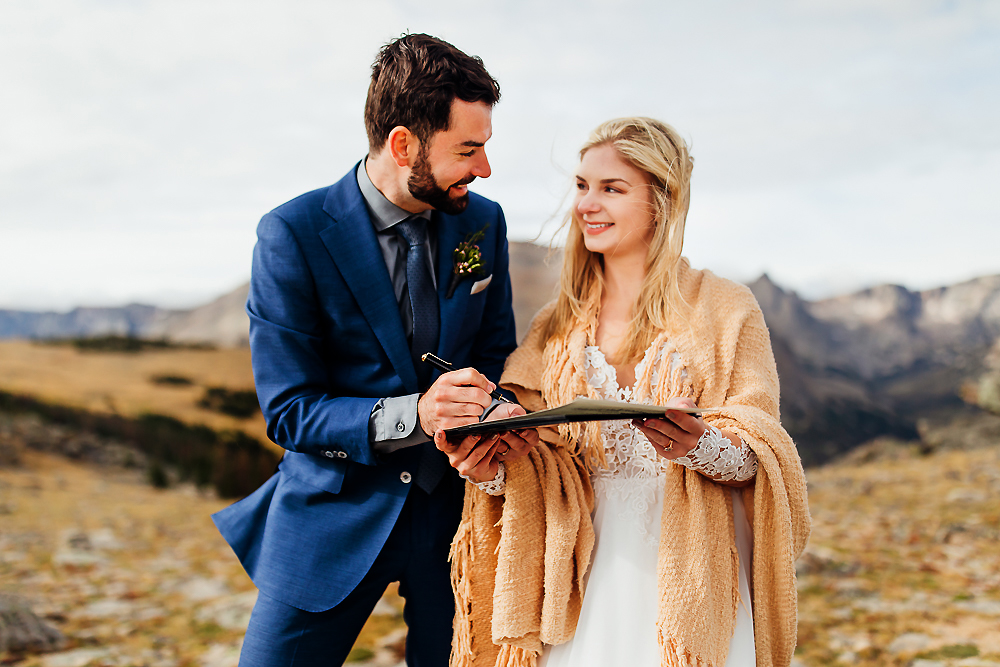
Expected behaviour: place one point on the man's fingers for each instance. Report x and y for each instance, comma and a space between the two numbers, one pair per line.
468, 377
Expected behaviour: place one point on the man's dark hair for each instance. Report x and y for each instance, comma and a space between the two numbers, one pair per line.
414, 80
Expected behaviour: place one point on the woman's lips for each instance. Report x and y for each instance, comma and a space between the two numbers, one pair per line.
598, 227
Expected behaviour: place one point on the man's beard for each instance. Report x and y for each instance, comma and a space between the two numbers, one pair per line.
422, 186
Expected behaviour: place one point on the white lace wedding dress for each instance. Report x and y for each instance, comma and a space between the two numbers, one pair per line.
618, 621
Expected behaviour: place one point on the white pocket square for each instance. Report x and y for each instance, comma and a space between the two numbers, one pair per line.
480, 285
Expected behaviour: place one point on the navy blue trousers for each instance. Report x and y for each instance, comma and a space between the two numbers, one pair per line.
415, 555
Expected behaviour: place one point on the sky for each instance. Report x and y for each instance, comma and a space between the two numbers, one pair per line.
838, 144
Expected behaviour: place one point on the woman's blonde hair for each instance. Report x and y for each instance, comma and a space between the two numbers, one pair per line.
658, 150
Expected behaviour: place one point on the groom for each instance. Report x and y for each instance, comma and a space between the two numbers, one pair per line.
350, 285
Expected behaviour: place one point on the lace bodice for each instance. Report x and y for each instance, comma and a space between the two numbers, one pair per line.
629, 454
634, 468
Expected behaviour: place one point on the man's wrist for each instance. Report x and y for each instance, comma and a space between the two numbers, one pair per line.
420, 421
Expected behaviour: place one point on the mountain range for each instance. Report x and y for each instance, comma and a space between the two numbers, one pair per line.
878, 362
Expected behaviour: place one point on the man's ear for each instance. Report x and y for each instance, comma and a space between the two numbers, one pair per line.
403, 146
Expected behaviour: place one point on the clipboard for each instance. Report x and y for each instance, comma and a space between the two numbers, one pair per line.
580, 410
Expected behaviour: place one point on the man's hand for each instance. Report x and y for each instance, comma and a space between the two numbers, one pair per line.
455, 399
473, 456
515, 443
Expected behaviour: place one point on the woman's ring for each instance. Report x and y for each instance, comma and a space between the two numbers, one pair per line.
669, 446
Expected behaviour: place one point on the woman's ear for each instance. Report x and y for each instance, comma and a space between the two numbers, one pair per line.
403, 146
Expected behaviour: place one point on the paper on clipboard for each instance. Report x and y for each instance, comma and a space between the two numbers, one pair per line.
580, 410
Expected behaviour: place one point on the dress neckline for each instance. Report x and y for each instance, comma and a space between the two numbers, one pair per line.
612, 372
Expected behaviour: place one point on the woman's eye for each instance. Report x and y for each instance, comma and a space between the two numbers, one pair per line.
581, 186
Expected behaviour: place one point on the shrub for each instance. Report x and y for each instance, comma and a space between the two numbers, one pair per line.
240, 403
171, 380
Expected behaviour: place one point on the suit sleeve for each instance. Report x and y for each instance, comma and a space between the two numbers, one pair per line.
496, 338
286, 346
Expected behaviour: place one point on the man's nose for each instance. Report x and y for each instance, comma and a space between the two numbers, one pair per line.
482, 167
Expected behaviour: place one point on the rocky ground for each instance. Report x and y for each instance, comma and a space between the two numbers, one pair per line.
130, 575
903, 568
904, 563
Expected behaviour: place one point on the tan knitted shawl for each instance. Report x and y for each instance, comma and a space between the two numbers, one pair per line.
519, 561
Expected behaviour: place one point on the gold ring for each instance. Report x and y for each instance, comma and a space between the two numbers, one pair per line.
506, 451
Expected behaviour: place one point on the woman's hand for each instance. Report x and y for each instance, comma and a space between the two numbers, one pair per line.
473, 456
515, 443
677, 434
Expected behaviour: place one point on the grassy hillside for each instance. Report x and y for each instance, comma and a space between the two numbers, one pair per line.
132, 383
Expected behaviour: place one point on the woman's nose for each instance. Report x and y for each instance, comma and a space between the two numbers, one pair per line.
587, 203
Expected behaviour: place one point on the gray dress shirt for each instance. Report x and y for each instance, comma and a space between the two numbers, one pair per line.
393, 423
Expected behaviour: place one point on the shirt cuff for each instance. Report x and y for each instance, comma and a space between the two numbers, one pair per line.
393, 424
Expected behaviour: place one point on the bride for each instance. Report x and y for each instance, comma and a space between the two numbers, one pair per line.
664, 542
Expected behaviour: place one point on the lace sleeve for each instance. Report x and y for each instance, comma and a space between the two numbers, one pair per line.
498, 485
716, 457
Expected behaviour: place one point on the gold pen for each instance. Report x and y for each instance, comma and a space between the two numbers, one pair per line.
447, 366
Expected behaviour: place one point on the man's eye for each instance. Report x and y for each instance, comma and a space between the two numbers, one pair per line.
468, 154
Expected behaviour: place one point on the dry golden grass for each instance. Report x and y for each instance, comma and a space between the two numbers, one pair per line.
119, 382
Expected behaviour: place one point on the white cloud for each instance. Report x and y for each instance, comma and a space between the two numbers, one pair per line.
832, 139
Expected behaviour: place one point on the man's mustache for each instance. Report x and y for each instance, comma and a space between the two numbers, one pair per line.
464, 181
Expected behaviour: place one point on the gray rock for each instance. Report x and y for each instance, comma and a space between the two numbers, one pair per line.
222, 655
231, 612
910, 642
383, 608
75, 558
985, 607
21, 631
104, 539
106, 609
200, 588
80, 657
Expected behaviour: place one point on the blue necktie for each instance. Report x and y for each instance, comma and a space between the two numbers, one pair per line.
426, 325
423, 296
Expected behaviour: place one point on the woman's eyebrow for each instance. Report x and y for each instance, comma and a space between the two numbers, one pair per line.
606, 181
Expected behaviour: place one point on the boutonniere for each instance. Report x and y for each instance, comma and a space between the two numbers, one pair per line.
468, 260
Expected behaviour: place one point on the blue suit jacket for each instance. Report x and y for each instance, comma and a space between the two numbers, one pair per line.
327, 342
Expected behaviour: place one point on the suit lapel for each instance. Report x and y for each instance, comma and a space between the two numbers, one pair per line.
354, 248
450, 233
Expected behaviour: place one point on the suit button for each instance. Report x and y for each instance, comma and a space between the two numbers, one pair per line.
328, 454
400, 427
341, 455
405, 477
